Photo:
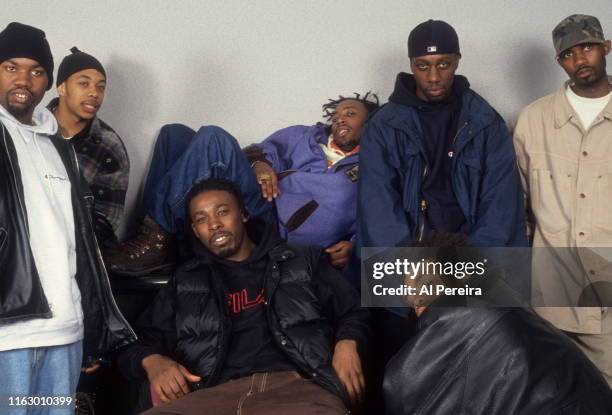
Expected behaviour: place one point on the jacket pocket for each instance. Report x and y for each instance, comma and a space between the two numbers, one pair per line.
551, 200
602, 214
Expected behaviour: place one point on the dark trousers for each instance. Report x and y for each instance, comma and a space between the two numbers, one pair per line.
277, 393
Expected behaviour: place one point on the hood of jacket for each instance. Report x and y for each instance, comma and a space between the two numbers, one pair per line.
43, 121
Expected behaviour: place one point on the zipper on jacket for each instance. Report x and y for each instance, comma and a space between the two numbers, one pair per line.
105, 278
423, 205
21, 204
458, 132
422, 209
465, 213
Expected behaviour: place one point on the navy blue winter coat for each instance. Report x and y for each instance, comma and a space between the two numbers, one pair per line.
485, 178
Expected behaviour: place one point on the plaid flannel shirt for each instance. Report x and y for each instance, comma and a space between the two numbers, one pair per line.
104, 163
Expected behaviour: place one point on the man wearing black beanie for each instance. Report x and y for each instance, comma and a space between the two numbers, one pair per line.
436, 158
103, 159
55, 300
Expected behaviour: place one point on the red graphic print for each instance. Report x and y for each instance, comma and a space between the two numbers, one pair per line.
239, 301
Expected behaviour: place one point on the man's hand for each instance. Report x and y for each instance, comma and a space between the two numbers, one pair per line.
168, 378
91, 368
267, 179
340, 253
347, 364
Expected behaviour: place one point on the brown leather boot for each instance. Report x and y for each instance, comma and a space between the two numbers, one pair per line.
152, 249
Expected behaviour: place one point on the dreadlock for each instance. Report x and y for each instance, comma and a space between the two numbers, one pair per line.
369, 100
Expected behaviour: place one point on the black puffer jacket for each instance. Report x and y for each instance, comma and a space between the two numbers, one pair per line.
21, 293
492, 361
310, 307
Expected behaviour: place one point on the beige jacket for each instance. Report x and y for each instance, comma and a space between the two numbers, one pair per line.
567, 177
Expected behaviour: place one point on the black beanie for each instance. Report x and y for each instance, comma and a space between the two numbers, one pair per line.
76, 62
433, 37
18, 40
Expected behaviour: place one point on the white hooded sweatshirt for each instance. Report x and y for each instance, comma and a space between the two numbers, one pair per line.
48, 204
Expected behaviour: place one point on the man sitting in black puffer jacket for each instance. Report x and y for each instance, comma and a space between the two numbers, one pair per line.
487, 360
250, 324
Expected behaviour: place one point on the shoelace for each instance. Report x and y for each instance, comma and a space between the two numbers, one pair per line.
138, 243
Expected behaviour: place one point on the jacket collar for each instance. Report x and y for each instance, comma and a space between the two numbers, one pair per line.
475, 114
563, 111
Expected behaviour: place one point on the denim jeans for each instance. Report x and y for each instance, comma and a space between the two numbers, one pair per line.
182, 158
43, 372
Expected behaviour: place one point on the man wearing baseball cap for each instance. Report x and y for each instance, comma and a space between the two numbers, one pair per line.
433, 151
55, 299
103, 159
436, 158
563, 144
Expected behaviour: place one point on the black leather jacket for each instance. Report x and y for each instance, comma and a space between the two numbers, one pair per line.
492, 361
21, 293
310, 307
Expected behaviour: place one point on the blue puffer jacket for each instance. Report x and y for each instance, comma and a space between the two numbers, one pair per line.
485, 177
317, 205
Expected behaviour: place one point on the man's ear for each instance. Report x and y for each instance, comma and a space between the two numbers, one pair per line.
244, 214
607, 47
61, 89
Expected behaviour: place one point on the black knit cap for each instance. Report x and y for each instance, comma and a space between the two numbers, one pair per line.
433, 37
18, 40
75, 62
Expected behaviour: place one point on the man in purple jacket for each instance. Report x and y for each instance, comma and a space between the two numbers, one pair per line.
305, 178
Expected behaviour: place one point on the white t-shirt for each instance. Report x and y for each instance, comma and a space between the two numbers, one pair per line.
48, 204
587, 108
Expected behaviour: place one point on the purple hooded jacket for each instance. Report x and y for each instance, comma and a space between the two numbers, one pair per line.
317, 205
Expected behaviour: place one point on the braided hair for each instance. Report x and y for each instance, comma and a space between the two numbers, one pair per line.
369, 101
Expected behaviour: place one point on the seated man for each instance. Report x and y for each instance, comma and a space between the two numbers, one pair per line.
488, 360
310, 172
274, 318
103, 159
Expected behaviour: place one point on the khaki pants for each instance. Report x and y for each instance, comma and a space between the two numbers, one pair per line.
598, 347
276, 393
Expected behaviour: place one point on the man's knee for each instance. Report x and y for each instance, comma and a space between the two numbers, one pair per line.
172, 132
212, 135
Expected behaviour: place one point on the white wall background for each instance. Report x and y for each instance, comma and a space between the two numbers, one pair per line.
253, 67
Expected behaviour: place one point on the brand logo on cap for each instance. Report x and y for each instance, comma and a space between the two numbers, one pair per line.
432, 48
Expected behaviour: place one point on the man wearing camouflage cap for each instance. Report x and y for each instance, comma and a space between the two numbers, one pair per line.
564, 153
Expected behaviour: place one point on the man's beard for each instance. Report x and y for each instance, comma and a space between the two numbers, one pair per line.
598, 74
18, 112
226, 251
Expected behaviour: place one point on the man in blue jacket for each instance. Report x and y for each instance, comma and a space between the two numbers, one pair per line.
438, 157
309, 172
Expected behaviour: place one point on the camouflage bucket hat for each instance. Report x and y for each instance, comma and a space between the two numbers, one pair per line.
577, 29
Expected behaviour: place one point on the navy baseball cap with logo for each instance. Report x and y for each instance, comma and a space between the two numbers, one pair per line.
433, 37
